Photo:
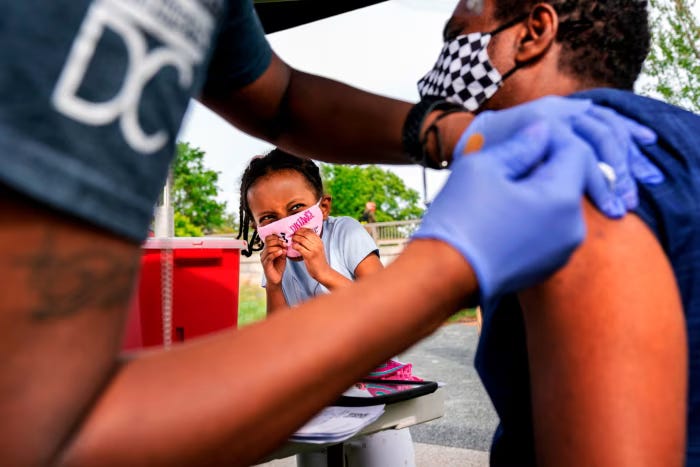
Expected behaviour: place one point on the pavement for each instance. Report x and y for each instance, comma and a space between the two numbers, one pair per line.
461, 438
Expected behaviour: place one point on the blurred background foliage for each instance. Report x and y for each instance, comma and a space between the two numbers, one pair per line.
351, 186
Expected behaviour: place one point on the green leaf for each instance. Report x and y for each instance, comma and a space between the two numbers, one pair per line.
674, 58
352, 186
194, 192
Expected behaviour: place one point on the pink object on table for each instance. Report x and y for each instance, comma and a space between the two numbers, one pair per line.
394, 370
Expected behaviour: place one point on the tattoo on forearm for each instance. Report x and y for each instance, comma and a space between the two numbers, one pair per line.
67, 283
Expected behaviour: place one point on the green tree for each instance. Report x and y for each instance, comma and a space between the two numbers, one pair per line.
194, 193
185, 228
674, 58
352, 186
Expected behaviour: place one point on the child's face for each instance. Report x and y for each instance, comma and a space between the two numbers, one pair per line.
281, 194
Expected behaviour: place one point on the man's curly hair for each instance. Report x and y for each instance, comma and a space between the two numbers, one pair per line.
604, 42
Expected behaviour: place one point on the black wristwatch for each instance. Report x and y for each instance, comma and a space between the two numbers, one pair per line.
413, 144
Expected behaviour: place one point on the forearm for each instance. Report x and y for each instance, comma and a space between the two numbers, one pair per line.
275, 298
315, 116
333, 280
344, 124
318, 117
233, 397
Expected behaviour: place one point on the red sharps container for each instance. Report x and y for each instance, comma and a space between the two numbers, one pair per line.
188, 287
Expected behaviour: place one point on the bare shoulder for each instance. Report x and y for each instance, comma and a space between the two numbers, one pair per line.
615, 263
607, 352
369, 265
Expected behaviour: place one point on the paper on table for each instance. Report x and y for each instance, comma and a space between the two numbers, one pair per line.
334, 424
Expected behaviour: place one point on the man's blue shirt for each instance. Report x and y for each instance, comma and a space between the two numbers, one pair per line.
672, 211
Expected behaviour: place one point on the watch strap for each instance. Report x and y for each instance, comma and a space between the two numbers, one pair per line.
413, 144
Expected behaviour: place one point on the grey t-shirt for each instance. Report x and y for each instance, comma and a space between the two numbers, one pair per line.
92, 95
346, 244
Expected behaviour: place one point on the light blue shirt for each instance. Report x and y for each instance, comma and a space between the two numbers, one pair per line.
346, 244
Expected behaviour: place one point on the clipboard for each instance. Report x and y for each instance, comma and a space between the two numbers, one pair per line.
376, 392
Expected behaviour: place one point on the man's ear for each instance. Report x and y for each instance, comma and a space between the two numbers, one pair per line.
539, 34
325, 205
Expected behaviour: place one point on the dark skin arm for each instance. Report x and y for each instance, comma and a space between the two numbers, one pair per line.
331, 121
218, 423
274, 259
69, 398
608, 353
312, 250
66, 395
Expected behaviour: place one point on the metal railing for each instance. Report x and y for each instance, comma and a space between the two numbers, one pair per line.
392, 233
384, 233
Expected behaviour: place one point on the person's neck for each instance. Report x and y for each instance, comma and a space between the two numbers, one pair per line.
554, 85
534, 88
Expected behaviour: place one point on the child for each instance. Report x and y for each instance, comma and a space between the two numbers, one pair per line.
306, 252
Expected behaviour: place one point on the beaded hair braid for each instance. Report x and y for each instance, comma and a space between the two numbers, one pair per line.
605, 42
260, 166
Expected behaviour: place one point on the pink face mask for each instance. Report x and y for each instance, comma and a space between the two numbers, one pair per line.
284, 228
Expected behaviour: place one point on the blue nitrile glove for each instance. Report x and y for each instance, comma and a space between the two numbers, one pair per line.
514, 209
613, 137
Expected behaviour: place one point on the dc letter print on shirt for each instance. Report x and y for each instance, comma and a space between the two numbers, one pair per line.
181, 31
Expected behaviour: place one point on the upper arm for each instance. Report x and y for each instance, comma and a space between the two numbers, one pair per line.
256, 107
245, 80
359, 248
66, 289
369, 265
607, 352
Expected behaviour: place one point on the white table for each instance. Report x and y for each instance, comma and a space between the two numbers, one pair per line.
395, 417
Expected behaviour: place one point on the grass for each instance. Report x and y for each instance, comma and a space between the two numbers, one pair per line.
251, 304
251, 307
466, 315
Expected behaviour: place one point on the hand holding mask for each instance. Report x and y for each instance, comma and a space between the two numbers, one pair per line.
311, 218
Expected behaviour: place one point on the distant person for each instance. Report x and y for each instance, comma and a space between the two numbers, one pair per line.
368, 213
368, 217
306, 253
591, 366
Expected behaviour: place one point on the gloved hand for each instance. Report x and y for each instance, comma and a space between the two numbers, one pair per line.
613, 137
514, 210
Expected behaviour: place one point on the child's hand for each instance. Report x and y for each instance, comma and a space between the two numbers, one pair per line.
310, 246
274, 259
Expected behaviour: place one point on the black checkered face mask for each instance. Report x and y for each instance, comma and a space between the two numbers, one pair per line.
463, 73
